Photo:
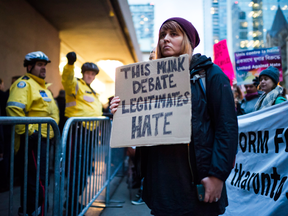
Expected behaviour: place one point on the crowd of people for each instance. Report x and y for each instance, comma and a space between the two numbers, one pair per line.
180, 180
263, 92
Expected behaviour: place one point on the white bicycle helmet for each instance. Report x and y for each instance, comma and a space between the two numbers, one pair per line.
32, 57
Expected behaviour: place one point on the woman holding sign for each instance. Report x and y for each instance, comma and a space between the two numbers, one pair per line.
189, 179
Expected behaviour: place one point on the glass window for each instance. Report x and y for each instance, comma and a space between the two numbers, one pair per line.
243, 25
242, 15
243, 35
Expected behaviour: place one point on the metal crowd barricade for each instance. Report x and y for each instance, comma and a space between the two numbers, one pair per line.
86, 158
13, 121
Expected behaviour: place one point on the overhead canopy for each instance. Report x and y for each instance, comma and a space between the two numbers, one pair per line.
94, 29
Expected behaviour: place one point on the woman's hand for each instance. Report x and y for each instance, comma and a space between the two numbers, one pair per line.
213, 188
114, 104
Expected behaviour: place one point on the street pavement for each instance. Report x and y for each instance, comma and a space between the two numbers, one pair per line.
122, 194
119, 190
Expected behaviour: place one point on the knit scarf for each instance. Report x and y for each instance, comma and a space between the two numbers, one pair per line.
250, 96
268, 99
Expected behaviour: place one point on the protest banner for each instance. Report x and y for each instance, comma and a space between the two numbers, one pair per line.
155, 105
222, 59
250, 63
258, 183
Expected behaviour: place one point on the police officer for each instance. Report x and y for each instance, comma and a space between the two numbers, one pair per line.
30, 97
81, 101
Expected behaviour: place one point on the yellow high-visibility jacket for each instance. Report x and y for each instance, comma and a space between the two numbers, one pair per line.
81, 100
30, 97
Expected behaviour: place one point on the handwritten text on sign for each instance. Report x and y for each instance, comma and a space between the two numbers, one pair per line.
155, 105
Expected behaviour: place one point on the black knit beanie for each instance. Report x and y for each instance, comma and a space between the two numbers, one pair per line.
271, 72
188, 28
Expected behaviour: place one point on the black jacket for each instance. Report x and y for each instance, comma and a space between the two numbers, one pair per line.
214, 121
168, 188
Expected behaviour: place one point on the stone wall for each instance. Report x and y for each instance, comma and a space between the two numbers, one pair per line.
24, 30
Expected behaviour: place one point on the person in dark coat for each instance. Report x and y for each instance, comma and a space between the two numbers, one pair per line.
106, 110
250, 98
1, 144
238, 97
171, 172
5, 136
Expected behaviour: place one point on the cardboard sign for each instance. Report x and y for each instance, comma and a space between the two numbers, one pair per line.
222, 59
155, 105
258, 184
250, 63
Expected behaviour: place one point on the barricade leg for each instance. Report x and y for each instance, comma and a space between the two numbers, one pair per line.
11, 171
37, 162
31, 164
76, 180
105, 138
87, 159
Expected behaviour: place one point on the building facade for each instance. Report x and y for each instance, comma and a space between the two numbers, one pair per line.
98, 30
277, 35
208, 35
143, 19
215, 23
251, 20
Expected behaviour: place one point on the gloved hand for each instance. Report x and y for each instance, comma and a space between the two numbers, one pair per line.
34, 136
71, 57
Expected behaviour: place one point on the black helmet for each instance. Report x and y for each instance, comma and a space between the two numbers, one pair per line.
32, 57
89, 66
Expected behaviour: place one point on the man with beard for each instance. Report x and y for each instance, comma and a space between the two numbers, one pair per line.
30, 97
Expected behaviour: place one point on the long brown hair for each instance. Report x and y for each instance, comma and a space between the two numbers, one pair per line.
186, 44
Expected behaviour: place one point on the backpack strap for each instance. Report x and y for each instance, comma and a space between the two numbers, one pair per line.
202, 79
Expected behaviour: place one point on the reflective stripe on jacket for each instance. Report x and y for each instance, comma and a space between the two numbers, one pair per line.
81, 100
30, 97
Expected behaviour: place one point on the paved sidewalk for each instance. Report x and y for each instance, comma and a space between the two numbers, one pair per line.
122, 194
118, 191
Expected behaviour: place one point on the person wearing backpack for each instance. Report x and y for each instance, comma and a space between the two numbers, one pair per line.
173, 174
